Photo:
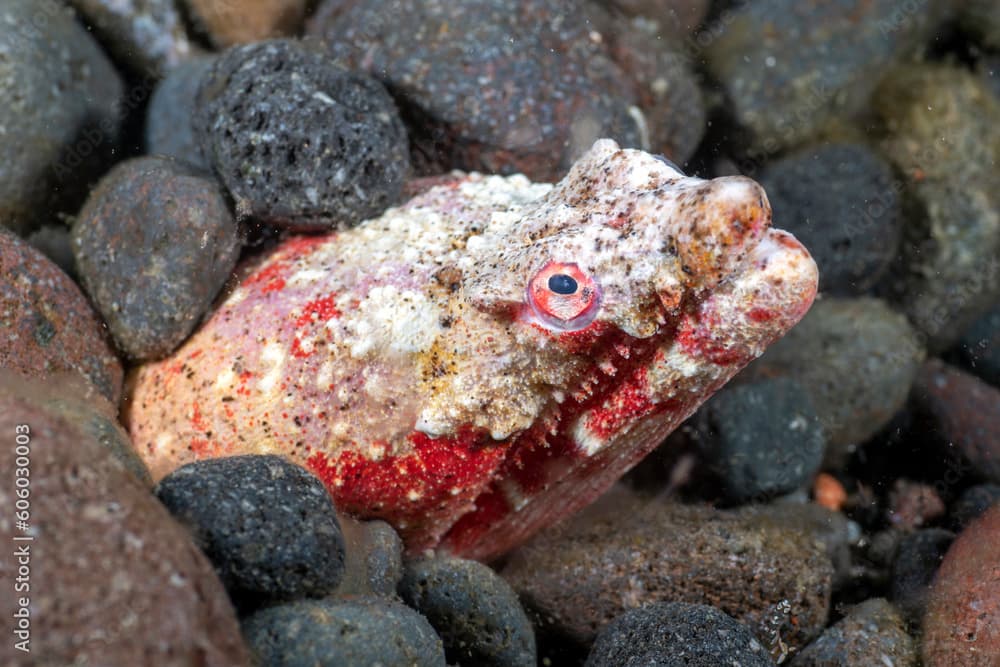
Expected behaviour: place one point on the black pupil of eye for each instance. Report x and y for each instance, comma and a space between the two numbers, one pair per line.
560, 283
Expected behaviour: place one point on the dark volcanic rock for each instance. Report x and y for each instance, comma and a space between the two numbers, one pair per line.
113, 579
963, 415
337, 633
146, 35
961, 627
619, 554
153, 245
475, 612
762, 438
299, 141
917, 559
857, 359
979, 347
60, 111
268, 525
937, 128
842, 202
982, 19
48, 326
973, 503
486, 85
170, 115
677, 634
790, 67
872, 633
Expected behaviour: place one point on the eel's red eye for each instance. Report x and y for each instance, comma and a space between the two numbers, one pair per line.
564, 297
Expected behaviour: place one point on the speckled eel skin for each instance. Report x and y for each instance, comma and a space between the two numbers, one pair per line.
489, 357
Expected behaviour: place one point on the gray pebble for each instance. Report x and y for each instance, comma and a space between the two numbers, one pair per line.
677, 634
170, 115
153, 245
973, 503
981, 18
830, 528
978, 350
872, 633
147, 36
54, 242
487, 88
59, 120
857, 359
374, 558
342, 633
791, 67
942, 138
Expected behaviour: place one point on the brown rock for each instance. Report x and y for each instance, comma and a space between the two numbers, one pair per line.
825, 526
963, 412
962, 623
620, 554
47, 324
113, 579
229, 22
68, 396
673, 19
663, 85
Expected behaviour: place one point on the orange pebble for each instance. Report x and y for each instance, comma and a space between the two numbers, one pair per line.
828, 492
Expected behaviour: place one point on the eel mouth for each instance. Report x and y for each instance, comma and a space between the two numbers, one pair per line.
786, 265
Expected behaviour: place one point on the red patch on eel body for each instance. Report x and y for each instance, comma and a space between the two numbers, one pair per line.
409, 489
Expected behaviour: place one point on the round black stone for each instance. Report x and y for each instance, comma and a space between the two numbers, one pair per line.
476, 613
268, 526
562, 284
754, 454
842, 203
917, 560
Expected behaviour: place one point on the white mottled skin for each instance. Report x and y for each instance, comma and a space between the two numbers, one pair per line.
430, 333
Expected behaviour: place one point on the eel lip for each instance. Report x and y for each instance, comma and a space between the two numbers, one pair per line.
787, 265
